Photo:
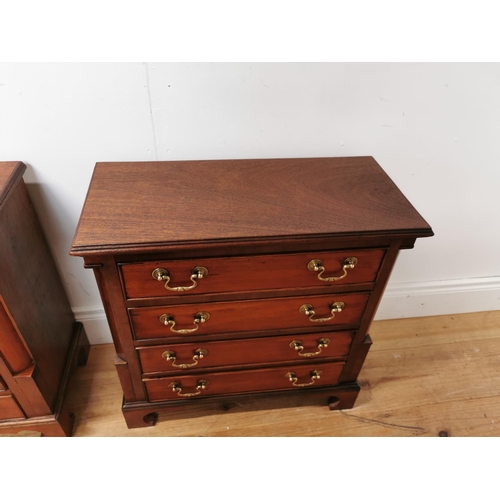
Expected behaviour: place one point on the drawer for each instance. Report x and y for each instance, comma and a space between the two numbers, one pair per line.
313, 312
194, 356
9, 408
269, 379
237, 274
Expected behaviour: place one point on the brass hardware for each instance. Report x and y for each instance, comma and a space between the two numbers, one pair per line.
200, 386
308, 310
297, 345
198, 354
161, 274
317, 266
292, 377
200, 317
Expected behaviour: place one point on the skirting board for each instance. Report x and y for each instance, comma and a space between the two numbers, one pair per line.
95, 323
434, 298
403, 300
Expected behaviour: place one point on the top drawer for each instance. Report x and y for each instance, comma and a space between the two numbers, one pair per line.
261, 272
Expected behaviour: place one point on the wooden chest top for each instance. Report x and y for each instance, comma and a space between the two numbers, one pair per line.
10, 173
158, 204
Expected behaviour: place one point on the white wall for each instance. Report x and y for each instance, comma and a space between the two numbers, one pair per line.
433, 127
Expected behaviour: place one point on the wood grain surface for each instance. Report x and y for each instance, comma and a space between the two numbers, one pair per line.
249, 273
12, 346
40, 342
34, 295
249, 315
243, 381
9, 407
10, 173
147, 202
435, 376
245, 352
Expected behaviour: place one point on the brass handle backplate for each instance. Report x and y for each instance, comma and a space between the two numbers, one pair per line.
308, 310
292, 377
198, 354
160, 274
317, 266
200, 386
168, 320
297, 345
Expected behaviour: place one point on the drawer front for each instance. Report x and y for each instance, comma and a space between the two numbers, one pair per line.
237, 274
282, 378
194, 356
9, 408
247, 315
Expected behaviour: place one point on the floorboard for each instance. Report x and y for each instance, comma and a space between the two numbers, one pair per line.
434, 376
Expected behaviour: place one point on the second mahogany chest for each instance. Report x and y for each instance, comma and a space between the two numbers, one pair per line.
40, 341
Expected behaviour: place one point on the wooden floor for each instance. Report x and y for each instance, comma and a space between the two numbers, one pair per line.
436, 376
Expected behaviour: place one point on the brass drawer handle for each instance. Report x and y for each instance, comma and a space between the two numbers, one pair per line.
292, 377
200, 317
297, 345
200, 386
308, 310
161, 274
317, 266
198, 354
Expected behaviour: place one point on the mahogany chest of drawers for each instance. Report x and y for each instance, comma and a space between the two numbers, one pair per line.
40, 342
236, 279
